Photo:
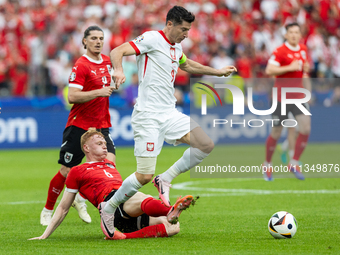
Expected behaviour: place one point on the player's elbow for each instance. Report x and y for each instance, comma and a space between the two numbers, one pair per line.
122, 50
70, 98
171, 229
268, 71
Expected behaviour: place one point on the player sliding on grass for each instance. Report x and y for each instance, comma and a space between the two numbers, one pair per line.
98, 179
155, 118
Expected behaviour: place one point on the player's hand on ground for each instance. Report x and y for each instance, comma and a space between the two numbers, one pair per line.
36, 238
226, 71
106, 91
294, 66
118, 78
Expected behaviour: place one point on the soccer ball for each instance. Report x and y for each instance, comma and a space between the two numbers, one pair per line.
282, 225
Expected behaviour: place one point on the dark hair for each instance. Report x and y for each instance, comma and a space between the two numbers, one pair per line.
294, 24
87, 33
177, 14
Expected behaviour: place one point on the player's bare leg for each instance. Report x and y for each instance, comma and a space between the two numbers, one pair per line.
200, 147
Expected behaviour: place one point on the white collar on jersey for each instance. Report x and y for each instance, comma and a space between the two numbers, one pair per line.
291, 47
94, 61
93, 162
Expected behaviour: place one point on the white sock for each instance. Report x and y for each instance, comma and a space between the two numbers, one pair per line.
291, 153
129, 187
294, 162
284, 145
46, 210
191, 157
80, 199
267, 163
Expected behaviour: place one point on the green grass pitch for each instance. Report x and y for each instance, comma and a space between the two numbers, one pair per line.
230, 216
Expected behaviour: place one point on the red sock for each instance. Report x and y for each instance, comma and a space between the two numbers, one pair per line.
270, 148
154, 207
300, 145
56, 186
151, 231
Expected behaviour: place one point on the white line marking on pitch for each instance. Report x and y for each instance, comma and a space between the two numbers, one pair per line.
191, 185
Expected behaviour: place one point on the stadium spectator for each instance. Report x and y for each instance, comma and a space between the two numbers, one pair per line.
140, 217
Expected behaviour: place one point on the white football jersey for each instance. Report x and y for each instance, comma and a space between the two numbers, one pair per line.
157, 62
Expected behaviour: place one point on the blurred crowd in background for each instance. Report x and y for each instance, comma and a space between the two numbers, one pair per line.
41, 39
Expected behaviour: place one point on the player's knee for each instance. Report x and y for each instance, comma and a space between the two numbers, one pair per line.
64, 170
171, 229
144, 178
146, 167
305, 130
276, 132
210, 146
207, 146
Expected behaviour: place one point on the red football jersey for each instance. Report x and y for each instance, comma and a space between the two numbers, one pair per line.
94, 180
283, 56
89, 74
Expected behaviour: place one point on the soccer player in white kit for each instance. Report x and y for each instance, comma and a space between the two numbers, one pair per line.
155, 118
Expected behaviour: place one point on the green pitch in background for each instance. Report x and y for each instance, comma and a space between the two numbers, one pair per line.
230, 217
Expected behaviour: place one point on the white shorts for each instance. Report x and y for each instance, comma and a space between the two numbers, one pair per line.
151, 129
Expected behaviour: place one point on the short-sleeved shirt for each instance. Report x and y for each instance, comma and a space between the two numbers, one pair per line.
283, 56
157, 62
94, 180
89, 74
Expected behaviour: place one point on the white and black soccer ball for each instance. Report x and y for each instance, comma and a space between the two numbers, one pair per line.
282, 225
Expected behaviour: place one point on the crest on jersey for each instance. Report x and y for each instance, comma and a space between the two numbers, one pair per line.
72, 76
150, 146
138, 39
68, 157
173, 53
109, 69
303, 54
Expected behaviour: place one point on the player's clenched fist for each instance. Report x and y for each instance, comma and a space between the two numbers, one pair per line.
227, 70
118, 78
295, 66
106, 91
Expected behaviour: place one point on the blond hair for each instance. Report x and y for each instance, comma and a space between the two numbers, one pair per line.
87, 135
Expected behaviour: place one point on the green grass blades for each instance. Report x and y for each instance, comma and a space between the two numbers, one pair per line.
230, 216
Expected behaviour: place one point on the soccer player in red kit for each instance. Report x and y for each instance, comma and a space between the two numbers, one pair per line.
98, 179
289, 64
89, 91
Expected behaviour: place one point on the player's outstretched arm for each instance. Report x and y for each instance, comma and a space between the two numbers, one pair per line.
77, 96
116, 57
59, 214
194, 67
